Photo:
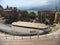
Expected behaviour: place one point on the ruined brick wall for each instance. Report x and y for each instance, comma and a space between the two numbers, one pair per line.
7, 13
58, 18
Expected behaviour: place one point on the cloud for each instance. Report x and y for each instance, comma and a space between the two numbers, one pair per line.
24, 2
27, 3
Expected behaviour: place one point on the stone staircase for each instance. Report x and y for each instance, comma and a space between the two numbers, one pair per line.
49, 39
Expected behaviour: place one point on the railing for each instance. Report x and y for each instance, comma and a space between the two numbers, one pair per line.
29, 37
18, 37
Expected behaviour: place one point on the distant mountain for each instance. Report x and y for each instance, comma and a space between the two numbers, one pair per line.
51, 7
39, 8
46, 7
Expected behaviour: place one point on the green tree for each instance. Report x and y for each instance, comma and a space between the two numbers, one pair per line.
32, 15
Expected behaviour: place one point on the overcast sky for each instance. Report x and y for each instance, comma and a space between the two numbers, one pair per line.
27, 3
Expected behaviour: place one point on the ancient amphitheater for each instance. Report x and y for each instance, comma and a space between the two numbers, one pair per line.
53, 38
